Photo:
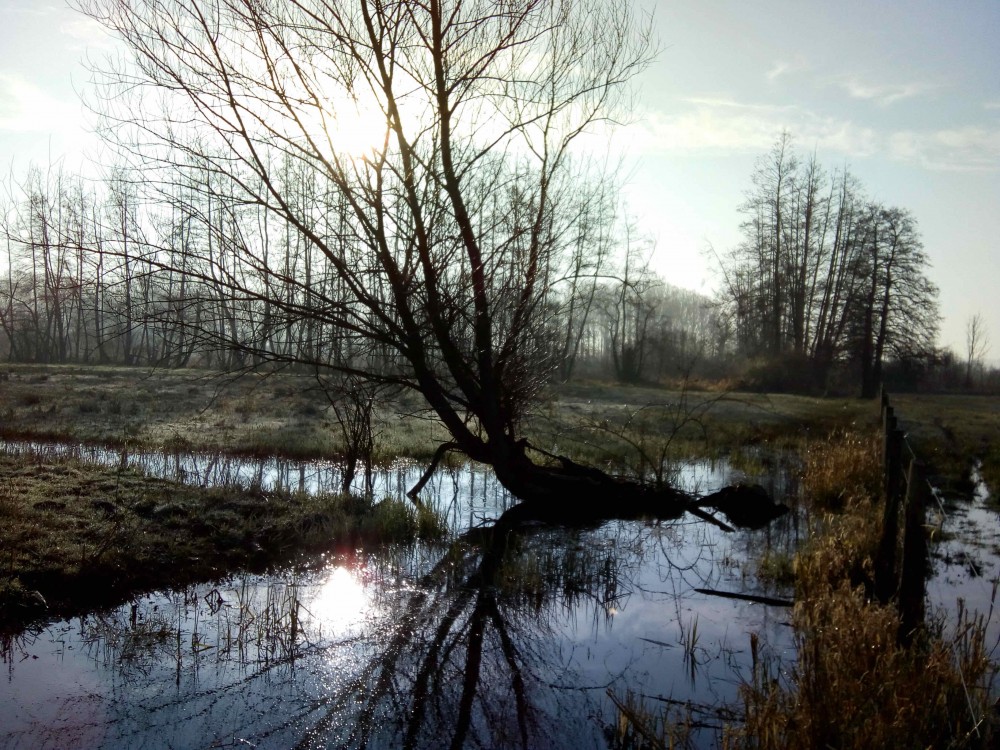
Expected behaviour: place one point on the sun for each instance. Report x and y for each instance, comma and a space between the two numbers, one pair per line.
347, 128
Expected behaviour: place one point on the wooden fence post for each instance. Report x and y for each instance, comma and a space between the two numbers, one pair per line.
913, 576
886, 578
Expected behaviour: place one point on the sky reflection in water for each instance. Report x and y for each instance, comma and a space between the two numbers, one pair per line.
510, 641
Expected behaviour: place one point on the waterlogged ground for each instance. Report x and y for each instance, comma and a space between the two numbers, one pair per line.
388, 652
966, 558
502, 642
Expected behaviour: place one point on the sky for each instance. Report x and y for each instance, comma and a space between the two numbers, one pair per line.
906, 95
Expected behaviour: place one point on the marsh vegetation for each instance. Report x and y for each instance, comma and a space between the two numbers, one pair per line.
358, 494
459, 610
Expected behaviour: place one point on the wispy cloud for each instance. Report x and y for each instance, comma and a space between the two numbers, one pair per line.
968, 149
782, 68
24, 107
884, 94
994, 105
719, 126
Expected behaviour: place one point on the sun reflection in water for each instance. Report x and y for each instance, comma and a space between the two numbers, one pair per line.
341, 600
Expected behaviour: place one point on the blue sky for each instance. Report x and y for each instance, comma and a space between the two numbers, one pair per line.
905, 94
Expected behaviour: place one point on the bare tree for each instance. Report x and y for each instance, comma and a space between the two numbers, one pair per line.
823, 275
897, 314
977, 345
629, 310
435, 244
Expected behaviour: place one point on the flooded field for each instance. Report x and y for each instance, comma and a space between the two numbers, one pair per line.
966, 558
526, 640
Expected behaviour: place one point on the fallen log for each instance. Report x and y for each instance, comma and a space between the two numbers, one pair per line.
771, 601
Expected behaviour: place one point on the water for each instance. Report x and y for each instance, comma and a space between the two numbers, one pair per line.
467, 495
508, 644
966, 559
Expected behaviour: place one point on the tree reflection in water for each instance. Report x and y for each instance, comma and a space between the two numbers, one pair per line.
473, 656
509, 638
505, 639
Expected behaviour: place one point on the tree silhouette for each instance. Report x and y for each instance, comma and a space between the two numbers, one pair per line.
427, 256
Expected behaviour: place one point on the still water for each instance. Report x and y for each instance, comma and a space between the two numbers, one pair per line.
521, 641
966, 558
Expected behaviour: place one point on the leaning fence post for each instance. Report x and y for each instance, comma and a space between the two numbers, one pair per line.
914, 569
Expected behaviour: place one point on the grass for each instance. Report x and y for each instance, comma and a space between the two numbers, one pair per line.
637, 424
776, 567
79, 535
950, 431
284, 414
628, 429
261, 415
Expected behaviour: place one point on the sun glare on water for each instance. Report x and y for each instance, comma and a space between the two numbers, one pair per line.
341, 601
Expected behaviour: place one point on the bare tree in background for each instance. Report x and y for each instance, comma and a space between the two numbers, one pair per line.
824, 275
977, 345
423, 258
897, 314
629, 309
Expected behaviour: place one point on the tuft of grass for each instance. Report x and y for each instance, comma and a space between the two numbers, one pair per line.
854, 686
394, 519
671, 725
638, 728
138, 640
776, 567
841, 469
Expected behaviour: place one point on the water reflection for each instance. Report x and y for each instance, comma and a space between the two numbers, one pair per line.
511, 636
966, 557
509, 639
341, 600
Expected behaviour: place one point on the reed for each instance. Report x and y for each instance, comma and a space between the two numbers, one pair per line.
853, 685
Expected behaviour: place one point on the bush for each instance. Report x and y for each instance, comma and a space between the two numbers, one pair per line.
787, 373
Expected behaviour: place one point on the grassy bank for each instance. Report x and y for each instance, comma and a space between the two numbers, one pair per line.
950, 431
286, 414
625, 428
280, 414
74, 536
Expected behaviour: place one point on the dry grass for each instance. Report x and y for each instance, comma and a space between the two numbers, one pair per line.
853, 685
845, 467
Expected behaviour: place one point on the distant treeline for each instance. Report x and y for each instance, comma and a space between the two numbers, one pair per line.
96, 275
828, 290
